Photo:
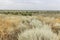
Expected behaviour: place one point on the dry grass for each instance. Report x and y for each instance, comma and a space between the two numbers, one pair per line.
38, 34
12, 25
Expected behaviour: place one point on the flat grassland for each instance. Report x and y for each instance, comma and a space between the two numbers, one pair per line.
29, 25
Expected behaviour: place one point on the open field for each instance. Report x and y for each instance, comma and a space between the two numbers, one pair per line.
29, 25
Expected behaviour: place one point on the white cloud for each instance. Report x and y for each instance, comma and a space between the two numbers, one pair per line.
30, 4
5, 2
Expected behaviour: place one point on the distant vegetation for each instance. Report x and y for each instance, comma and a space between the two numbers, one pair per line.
29, 12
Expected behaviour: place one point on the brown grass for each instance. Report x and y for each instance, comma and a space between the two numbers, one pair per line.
12, 25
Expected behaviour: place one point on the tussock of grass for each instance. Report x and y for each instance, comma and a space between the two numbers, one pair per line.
38, 34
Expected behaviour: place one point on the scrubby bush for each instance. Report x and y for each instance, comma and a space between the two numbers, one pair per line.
38, 34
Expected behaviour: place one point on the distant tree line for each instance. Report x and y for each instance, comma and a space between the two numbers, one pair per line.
25, 13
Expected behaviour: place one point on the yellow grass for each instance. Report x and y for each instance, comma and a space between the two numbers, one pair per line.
12, 25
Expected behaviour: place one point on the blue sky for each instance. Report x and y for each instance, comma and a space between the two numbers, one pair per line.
30, 4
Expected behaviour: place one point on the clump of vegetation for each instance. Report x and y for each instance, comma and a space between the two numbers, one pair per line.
38, 34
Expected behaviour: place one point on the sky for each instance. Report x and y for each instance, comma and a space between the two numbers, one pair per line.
30, 4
